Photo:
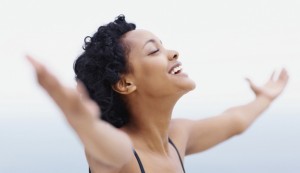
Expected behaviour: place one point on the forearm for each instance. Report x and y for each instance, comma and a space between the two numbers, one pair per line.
245, 115
104, 143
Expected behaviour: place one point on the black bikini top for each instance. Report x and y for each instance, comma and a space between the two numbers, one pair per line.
141, 164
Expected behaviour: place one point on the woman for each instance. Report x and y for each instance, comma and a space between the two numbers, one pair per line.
132, 82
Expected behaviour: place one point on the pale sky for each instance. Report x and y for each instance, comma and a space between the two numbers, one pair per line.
220, 43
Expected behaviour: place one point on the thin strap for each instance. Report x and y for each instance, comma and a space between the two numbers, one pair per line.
171, 142
139, 161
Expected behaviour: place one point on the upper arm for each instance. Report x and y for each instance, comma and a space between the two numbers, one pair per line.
106, 147
97, 166
199, 135
206, 133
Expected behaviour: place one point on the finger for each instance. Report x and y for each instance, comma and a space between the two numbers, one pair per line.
44, 77
283, 77
250, 82
272, 78
283, 74
51, 84
34, 63
252, 85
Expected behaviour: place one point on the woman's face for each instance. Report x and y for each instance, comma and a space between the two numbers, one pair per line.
155, 70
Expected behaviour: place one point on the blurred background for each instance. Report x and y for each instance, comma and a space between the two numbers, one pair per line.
220, 43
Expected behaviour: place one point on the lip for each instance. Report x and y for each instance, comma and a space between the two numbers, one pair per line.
174, 66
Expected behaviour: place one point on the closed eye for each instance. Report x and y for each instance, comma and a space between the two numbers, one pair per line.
152, 53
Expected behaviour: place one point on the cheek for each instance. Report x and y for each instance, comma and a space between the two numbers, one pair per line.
155, 66
152, 73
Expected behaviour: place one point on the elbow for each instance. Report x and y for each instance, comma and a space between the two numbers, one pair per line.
241, 124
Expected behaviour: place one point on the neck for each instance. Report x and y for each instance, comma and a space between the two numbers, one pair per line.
149, 123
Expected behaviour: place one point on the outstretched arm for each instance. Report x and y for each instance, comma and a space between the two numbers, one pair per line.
103, 143
206, 133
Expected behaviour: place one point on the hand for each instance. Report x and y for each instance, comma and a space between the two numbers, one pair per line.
75, 105
273, 87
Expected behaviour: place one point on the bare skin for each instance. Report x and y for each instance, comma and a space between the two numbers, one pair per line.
151, 91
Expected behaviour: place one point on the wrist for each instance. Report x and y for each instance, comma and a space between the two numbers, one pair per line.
264, 99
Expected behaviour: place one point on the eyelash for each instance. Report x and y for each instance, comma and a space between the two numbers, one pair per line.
154, 52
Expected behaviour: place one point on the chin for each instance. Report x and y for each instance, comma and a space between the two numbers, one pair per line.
193, 86
188, 86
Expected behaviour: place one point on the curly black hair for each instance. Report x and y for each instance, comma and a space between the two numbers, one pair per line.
100, 66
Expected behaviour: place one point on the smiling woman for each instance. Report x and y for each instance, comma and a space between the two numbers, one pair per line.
131, 81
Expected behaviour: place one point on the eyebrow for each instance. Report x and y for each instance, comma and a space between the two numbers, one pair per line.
151, 41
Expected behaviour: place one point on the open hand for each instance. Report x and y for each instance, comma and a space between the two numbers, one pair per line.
273, 87
75, 104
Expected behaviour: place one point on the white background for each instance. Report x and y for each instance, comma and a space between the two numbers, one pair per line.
220, 43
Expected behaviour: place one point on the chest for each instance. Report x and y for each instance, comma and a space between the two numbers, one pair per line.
151, 163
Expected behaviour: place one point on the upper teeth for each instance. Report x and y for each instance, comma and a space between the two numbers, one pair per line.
176, 69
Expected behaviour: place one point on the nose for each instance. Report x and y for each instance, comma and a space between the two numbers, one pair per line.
173, 55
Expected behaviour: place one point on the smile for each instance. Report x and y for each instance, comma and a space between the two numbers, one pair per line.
176, 69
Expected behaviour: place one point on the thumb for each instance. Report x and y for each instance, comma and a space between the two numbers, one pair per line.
248, 80
252, 85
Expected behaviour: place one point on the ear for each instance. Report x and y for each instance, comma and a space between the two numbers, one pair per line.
124, 86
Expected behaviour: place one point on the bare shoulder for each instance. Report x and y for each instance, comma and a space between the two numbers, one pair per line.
97, 167
177, 124
178, 132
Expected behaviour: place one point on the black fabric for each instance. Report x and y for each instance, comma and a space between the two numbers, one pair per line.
171, 142
139, 161
141, 164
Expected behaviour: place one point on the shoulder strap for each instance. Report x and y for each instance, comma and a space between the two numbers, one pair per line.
139, 161
171, 142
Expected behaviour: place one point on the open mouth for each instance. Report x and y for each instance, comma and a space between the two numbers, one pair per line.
176, 70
